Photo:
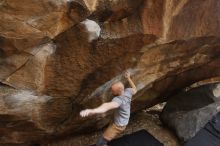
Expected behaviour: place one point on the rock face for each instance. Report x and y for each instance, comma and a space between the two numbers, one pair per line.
188, 112
142, 120
58, 57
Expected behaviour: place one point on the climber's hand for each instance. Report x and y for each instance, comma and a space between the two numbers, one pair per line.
127, 75
86, 113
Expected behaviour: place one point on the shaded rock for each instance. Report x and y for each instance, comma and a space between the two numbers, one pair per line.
148, 121
108, 10
208, 135
150, 82
122, 28
46, 51
152, 15
25, 117
189, 111
83, 62
161, 71
86, 72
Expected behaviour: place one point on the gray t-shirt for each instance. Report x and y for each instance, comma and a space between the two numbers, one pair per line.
122, 114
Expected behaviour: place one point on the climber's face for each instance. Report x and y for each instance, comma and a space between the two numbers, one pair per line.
117, 88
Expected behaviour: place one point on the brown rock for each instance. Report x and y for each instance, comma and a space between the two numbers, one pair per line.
24, 19
11, 58
26, 117
152, 17
141, 120
174, 20
188, 24
48, 56
31, 75
120, 29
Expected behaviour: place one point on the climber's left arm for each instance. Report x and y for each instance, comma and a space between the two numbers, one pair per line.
100, 110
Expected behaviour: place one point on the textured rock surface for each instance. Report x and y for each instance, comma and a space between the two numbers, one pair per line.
188, 112
35, 19
55, 63
143, 120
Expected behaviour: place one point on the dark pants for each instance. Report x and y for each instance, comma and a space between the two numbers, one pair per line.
101, 141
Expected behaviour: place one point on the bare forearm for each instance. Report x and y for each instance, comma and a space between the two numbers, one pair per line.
101, 109
132, 84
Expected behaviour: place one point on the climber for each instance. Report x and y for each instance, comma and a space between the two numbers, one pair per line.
121, 103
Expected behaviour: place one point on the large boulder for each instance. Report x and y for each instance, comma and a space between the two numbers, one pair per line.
52, 109
142, 120
59, 57
188, 112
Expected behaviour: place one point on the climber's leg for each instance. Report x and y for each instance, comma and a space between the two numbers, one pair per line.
110, 133
113, 131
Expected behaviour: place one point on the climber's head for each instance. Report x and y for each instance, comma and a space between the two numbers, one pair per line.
117, 88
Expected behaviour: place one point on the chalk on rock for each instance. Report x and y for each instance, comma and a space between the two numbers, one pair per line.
93, 29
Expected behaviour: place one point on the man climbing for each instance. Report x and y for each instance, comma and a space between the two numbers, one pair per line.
122, 103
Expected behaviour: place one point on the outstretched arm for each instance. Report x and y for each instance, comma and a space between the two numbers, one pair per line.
99, 110
128, 77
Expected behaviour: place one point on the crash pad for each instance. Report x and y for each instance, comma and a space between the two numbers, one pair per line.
139, 138
209, 135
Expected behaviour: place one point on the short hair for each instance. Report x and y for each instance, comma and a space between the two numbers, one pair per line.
117, 88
